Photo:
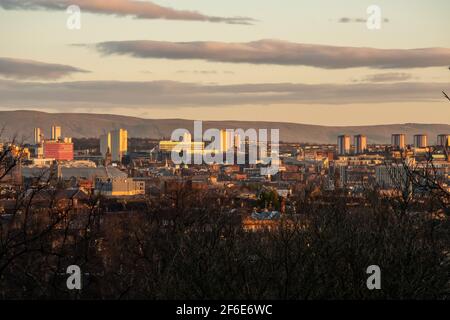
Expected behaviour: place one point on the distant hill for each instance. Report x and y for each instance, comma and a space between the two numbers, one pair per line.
79, 125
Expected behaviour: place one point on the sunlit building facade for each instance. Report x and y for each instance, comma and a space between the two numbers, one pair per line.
56, 133
60, 151
398, 141
344, 145
119, 144
360, 144
443, 140
420, 141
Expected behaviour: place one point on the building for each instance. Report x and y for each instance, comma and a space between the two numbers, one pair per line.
76, 170
58, 148
443, 140
360, 144
39, 151
38, 136
344, 145
187, 137
398, 141
119, 186
420, 141
226, 141
391, 176
60, 151
105, 144
169, 146
119, 144
238, 142
56, 133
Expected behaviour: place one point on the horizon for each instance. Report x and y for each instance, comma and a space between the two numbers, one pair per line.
225, 120
90, 125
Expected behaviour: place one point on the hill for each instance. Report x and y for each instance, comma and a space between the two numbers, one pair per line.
82, 125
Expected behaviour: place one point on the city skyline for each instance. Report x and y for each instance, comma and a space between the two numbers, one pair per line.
89, 125
314, 63
224, 156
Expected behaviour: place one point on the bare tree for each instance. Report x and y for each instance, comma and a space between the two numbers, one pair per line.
445, 94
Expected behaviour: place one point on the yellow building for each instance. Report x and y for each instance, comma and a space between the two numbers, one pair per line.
38, 136
169, 146
56, 133
226, 141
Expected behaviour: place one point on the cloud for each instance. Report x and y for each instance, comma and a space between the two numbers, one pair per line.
357, 20
386, 77
34, 70
281, 53
99, 94
136, 9
202, 72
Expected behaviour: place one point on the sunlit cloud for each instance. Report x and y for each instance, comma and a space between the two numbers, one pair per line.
133, 8
34, 70
280, 53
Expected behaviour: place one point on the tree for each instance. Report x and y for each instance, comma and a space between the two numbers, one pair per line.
445, 94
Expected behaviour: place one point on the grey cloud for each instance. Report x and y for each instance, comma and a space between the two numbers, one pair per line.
281, 53
386, 77
30, 70
204, 72
137, 9
178, 94
357, 20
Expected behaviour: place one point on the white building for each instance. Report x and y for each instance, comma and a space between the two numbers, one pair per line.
105, 144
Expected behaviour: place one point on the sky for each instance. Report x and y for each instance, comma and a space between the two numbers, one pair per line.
300, 61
